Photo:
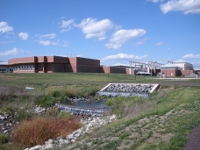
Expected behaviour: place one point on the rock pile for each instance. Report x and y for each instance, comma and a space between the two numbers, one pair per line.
89, 125
6, 123
126, 90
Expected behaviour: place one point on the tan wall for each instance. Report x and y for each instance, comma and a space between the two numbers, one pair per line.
132, 71
73, 65
41, 59
104, 69
21, 60
50, 59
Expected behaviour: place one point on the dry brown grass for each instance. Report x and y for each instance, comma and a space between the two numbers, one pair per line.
38, 130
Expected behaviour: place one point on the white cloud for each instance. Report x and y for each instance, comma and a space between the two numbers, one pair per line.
123, 56
192, 56
142, 41
45, 43
180, 60
50, 35
187, 6
66, 25
121, 36
79, 55
54, 43
139, 43
95, 29
13, 51
121, 64
155, 1
23, 35
4, 27
159, 43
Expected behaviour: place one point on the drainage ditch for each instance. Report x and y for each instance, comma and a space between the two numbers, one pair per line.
93, 108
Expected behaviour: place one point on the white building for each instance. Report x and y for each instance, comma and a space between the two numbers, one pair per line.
184, 65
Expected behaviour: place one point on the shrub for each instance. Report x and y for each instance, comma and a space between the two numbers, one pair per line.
121, 106
45, 101
64, 115
52, 111
51, 99
38, 130
56, 94
8, 110
23, 114
3, 138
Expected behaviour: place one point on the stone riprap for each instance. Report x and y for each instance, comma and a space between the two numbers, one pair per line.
83, 111
124, 89
7, 122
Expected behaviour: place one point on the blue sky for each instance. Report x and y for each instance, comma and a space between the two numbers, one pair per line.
113, 31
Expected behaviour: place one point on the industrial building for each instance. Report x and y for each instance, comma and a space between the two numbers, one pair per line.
50, 64
177, 69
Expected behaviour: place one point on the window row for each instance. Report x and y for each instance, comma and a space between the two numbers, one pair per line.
23, 68
4, 69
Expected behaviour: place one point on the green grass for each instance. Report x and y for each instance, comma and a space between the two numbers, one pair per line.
159, 122
143, 123
45, 79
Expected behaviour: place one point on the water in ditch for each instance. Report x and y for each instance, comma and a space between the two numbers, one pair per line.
93, 104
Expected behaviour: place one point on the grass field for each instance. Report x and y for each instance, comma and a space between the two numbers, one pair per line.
161, 121
71, 78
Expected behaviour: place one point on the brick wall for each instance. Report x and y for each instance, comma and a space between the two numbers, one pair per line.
117, 70
169, 73
186, 72
104, 69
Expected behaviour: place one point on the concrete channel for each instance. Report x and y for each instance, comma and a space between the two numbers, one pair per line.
128, 89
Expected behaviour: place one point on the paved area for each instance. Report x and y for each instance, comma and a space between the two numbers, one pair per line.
180, 83
193, 139
176, 78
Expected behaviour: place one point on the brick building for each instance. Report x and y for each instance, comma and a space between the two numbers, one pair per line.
50, 64
177, 69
